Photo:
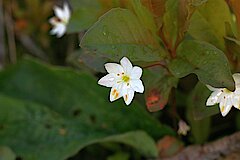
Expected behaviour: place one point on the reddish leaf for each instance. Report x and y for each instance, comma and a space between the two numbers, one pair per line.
155, 101
157, 7
158, 84
169, 146
235, 6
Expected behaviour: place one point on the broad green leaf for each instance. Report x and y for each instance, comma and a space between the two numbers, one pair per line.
175, 22
82, 58
6, 154
144, 15
200, 129
120, 33
46, 108
197, 103
157, 8
136, 139
85, 13
205, 60
232, 45
208, 22
119, 156
235, 6
158, 83
198, 113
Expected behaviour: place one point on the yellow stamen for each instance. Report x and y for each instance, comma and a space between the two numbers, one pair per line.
114, 91
125, 78
126, 97
226, 90
222, 109
116, 95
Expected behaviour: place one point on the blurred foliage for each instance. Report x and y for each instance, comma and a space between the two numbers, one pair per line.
53, 112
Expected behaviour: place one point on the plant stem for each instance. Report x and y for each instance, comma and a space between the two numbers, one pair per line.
2, 41
10, 34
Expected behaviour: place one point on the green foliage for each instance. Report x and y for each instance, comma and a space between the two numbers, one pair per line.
199, 115
205, 60
85, 13
208, 22
200, 129
197, 102
144, 15
119, 156
175, 21
6, 154
56, 112
49, 112
120, 33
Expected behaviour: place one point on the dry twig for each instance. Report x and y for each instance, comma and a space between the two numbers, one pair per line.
211, 151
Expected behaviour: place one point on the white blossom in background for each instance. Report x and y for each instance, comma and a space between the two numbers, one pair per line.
60, 21
224, 97
183, 128
124, 79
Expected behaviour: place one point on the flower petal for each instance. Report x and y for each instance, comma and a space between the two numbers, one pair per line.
236, 101
53, 21
213, 98
58, 12
212, 88
66, 12
114, 68
61, 29
108, 80
236, 78
116, 92
136, 72
137, 85
129, 96
225, 106
127, 65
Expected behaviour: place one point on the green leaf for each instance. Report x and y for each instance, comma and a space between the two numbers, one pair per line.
119, 156
157, 8
158, 83
235, 7
208, 22
197, 102
205, 60
176, 21
59, 110
144, 15
120, 33
85, 13
136, 139
6, 154
82, 58
232, 43
198, 113
200, 129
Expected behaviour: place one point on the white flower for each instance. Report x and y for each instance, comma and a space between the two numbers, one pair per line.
183, 128
60, 21
224, 97
124, 80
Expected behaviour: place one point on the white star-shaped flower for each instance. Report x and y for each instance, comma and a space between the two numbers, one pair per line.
60, 21
183, 128
224, 97
124, 80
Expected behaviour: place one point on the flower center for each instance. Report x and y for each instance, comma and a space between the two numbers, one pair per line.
227, 91
125, 79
